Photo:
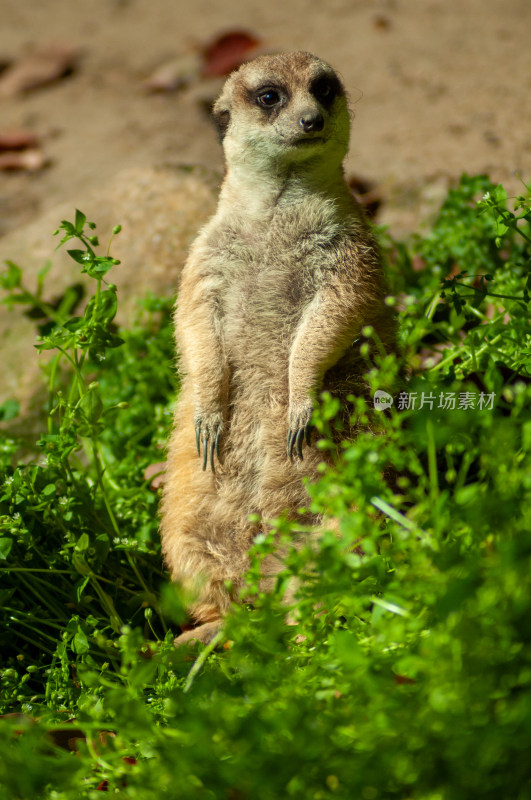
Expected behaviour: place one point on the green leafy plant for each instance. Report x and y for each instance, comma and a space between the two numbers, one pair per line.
79, 530
406, 670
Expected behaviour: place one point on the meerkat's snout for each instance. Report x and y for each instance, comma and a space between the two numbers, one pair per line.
311, 120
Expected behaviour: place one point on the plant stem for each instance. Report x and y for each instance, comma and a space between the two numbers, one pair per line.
200, 660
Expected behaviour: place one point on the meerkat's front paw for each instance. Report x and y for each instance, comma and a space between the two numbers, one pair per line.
300, 429
208, 431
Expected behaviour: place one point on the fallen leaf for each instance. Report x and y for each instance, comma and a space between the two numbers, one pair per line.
155, 473
17, 139
174, 74
228, 51
400, 680
28, 160
39, 67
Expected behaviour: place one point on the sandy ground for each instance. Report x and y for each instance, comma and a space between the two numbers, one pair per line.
438, 87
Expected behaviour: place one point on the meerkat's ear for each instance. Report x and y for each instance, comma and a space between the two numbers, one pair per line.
221, 111
221, 119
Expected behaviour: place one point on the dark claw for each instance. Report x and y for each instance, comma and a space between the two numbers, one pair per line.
198, 438
205, 451
298, 442
289, 444
212, 445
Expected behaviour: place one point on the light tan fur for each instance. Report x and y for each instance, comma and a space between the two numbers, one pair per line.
272, 300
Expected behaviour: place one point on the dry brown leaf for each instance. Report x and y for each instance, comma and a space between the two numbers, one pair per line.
23, 160
228, 51
17, 139
155, 473
401, 680
39, 67
174, 74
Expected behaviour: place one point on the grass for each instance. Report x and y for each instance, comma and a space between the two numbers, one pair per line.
414, 679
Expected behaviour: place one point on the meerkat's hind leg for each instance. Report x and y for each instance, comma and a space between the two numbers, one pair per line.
204, 633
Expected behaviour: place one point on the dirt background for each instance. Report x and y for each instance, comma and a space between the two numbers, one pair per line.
438, 87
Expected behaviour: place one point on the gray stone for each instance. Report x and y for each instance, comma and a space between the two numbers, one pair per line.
160, 210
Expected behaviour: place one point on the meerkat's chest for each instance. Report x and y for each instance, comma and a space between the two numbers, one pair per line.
285, 261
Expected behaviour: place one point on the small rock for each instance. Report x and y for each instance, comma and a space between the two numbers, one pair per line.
160, 209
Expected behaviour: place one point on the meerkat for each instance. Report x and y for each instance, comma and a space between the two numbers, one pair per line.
271, 303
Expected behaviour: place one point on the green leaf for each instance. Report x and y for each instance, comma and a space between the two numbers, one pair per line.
68, 227
500, 195
5, 547
80, 643
81, 586
9, 409
102, 546
41, 276
92, 406
104, 309
80, 256
80, 221
83, 543
387, 605
98, 266
12, 278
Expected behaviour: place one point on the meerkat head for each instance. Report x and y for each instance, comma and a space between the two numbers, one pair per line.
280, 111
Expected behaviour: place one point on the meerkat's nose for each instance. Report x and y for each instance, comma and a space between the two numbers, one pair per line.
311, 120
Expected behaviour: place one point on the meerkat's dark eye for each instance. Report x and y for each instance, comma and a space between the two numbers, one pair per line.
268, 98
325, 90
